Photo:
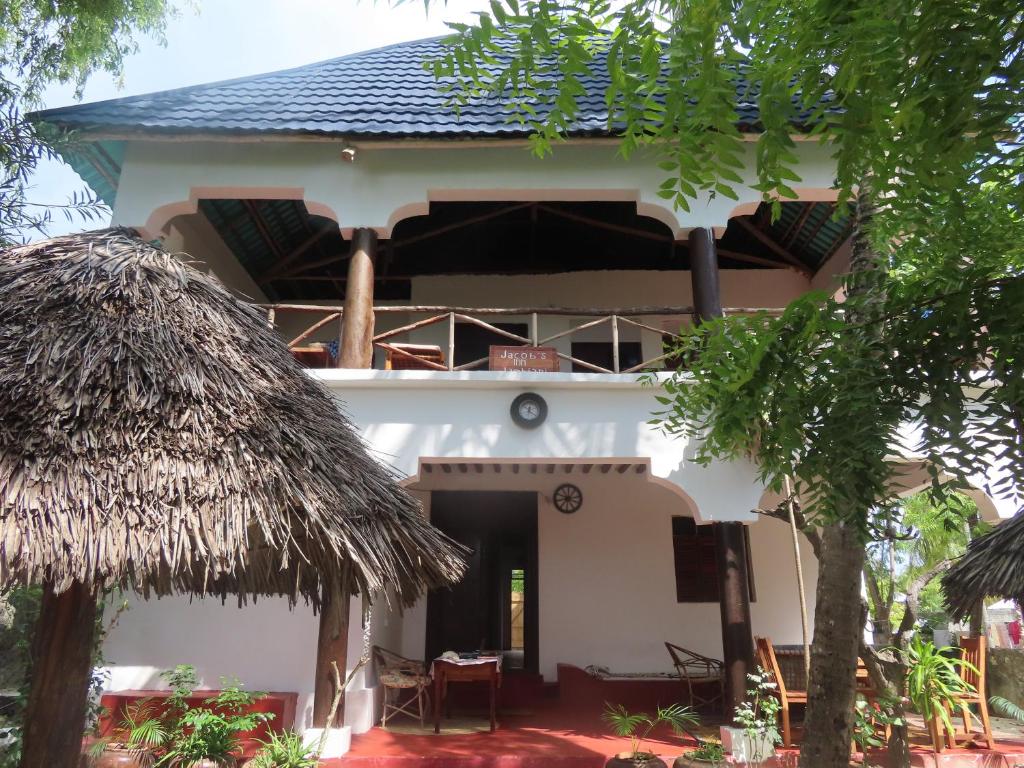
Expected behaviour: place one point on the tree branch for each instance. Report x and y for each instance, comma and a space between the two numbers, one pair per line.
781, 512
913, 601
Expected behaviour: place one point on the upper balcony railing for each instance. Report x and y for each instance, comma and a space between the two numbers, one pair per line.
316, 343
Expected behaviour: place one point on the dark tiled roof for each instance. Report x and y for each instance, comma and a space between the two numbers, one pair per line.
384, 93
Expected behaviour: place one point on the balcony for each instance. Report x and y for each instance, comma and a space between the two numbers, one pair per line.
626, 340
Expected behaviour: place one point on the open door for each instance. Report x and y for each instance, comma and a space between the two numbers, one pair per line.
494, 607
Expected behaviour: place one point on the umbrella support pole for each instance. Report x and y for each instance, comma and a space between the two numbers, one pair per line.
62, 654
331, 646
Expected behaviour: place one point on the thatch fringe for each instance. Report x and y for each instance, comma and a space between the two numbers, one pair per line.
156, 434
993, 566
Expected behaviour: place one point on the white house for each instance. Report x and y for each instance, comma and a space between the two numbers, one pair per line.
393, 245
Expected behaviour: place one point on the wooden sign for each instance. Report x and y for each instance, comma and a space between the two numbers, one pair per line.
542, 359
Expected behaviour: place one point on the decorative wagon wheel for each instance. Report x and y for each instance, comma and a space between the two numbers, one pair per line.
568, 498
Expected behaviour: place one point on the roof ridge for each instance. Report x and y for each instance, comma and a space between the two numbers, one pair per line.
45, 114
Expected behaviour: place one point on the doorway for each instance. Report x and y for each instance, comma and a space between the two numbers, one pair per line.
494, 607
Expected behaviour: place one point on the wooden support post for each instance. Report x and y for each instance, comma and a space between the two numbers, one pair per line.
707, 297
331, 645
357, 320
734, 601
62, 650
730, 541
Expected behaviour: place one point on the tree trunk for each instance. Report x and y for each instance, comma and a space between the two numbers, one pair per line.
837, 629
62, 652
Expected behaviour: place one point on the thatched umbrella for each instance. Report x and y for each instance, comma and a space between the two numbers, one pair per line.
993, 566
155, 434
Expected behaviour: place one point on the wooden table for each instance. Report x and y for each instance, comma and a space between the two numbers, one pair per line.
476, 670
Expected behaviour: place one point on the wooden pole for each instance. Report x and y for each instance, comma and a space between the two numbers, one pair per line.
799, 578
730, 541
707, 296
357, 319
331, 649
62, 652
734, 602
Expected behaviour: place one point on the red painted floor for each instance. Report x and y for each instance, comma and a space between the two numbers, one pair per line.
561, 727
550, 738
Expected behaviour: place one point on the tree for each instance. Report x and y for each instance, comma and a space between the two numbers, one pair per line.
912, 544
62, 41
921, 102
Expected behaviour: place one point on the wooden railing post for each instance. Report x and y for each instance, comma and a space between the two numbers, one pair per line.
271, 317
451, 341
356, 350
534, 333
615, 343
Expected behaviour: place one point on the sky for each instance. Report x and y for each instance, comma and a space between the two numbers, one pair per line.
222, 39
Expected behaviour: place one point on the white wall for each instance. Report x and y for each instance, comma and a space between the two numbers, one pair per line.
266, 645
607, 579
160, 180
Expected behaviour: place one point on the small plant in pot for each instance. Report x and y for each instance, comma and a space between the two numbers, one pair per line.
637, 727
285, 750
758, 717
709, 754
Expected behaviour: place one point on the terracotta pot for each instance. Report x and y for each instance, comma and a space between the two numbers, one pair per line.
119, 757
644, 761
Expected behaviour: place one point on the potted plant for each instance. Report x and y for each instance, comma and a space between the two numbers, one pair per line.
709, 754
178, 735
754, 742
934, 684
285, 750
638, 727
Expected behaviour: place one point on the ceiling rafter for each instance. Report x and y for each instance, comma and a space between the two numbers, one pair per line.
798, 224
768, 242
580, 218
286, 261
459, 225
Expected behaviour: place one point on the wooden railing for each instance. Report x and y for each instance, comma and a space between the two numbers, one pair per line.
615, 318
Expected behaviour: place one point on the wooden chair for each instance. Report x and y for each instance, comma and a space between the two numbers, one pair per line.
696, 671
766, 659
973, 651
401, 677
412, 357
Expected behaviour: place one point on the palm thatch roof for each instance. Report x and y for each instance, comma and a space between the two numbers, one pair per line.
156, 434
993, 566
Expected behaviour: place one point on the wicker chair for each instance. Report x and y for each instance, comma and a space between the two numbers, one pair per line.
699, 673
405, 682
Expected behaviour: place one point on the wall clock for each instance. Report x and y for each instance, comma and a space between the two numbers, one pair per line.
529, 410
567, 498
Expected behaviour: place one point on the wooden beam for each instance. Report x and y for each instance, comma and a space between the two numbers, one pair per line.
587, 468
533, 469
428, 468
606, 468
734, 603
497, 468
447, 468
463, 468
296, 253
309, 266
622, 468
261, 227
817, 229
607, 225
746, 257
62, 647
515, 469
550, 469
458, 225
640, 468
797, 225
357, 326
479, 468
744, 223
331, 645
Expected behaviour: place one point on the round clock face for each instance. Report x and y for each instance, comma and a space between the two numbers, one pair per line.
529, 410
